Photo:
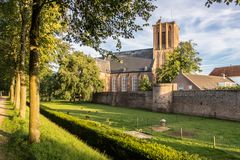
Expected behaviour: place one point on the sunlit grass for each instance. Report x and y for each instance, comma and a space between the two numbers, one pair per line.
200, 130
56, 143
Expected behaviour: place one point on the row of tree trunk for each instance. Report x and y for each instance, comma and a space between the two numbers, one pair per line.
18, 83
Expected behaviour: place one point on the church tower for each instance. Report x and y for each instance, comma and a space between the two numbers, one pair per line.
165, 39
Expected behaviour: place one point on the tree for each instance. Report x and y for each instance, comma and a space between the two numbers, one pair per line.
9, 45
210, 2
184, 58
24, 11
78, 77
145, 84
49, 85
90, 22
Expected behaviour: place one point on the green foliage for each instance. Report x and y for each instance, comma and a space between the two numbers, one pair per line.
49, 84
145, 84
91, 22
227, 2
184, 58
56, 143
9, 41
114, 142
229, 88
78, 76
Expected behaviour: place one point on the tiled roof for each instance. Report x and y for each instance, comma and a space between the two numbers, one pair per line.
207, 82
230, 71
141, 53
130, 61
130, 64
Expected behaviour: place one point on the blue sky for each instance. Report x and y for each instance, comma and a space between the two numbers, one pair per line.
216, 30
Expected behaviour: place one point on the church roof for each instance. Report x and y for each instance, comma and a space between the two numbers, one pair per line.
128, 61
230, 71
141, 53
131, 64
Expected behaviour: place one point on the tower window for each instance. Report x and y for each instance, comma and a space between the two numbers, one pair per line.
170, 37
158, 40
163, 39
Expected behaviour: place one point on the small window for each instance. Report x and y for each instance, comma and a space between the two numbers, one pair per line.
180, 87
114, 89
124, 84
190, 87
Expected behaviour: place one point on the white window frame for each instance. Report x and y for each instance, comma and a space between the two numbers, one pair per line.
134, 83
181, 87
114, 88
190, 87
124, 83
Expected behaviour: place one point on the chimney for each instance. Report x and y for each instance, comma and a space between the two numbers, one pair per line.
223, 75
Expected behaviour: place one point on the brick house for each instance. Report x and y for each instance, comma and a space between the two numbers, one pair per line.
187, 81
124, 76
233, 72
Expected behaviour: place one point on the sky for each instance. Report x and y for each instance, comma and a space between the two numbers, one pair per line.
215, 30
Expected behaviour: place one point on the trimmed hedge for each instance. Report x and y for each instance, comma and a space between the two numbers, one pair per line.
114, 142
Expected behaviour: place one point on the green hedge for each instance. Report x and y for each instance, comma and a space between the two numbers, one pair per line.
114, 142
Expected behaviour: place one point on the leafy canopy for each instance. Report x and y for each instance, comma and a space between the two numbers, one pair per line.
91, 22
184, 58
78, 76
227, 2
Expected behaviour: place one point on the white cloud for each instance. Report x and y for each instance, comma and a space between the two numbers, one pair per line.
216, 30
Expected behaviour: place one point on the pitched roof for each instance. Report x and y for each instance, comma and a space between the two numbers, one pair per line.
141, 53
130, 61
230, 71
205, 81
131, 64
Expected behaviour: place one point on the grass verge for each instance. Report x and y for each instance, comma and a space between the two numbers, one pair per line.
56, 143
114, 142
197, 132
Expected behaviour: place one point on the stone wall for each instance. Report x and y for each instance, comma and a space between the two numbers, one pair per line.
212, 103
142, 100
162, 97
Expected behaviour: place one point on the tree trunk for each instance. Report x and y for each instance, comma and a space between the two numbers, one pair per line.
34, 122
12, 90
22, 60
17, 91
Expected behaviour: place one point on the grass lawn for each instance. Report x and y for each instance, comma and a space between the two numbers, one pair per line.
198, 132
56, 143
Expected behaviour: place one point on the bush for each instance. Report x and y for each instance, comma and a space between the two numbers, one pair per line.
145, 84
230, 88
114, 142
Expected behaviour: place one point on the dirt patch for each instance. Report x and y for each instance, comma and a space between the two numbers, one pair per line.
139, 134
160, 128
184, 133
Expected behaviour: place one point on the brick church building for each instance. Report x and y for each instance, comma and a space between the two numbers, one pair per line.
124, 76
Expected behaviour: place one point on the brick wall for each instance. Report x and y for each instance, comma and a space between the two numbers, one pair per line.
212, 103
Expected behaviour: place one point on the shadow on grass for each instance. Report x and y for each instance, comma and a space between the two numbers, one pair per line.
4, 115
